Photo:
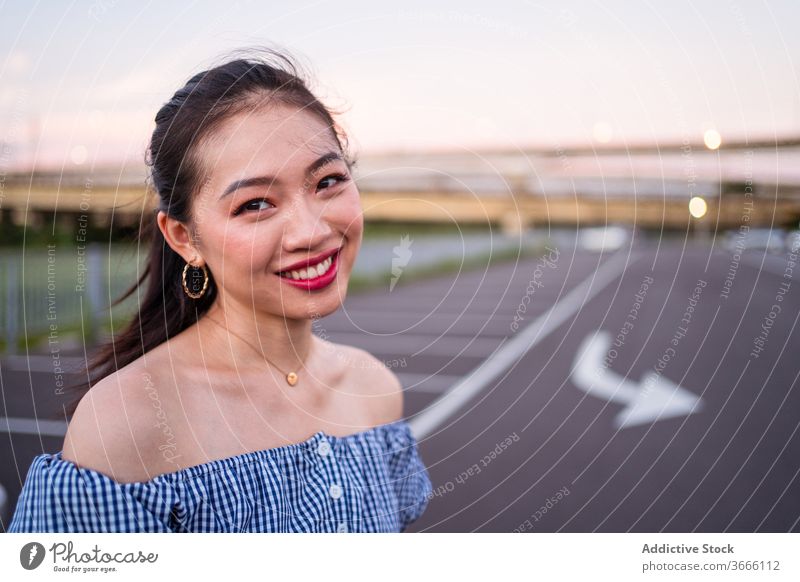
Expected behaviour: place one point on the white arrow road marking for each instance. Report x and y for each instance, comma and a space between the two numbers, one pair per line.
654, 398
510, 351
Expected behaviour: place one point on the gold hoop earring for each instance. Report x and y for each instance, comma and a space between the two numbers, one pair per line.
186, 288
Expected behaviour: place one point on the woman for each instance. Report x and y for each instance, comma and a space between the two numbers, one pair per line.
218, 409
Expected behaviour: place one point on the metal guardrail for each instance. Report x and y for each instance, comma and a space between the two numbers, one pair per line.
58, 289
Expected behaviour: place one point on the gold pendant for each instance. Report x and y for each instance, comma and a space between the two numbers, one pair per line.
291, 378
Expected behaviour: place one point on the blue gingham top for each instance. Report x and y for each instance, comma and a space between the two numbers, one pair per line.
371, 481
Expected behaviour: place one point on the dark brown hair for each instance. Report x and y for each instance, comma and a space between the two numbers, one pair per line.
195, 110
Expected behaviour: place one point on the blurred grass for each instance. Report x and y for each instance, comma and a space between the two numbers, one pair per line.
363, 284
383, 230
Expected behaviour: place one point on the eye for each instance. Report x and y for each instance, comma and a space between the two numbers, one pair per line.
251, 206
340, 179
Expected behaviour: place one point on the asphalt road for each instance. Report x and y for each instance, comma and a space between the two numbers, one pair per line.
653, 389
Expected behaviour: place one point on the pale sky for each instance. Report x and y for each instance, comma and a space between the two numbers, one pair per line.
80, 82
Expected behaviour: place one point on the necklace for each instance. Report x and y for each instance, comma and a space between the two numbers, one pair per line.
291, 377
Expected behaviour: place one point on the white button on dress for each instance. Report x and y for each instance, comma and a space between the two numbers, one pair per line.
335, 491
342, 528
324, 448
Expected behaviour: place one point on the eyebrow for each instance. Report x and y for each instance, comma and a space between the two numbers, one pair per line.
269, 180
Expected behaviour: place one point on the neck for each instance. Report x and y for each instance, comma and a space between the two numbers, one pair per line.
280, 341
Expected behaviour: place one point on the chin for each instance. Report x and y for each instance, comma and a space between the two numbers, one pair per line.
312, 311
310, 306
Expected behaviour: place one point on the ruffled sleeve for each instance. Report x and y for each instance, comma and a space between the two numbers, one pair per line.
59, 496
410, 477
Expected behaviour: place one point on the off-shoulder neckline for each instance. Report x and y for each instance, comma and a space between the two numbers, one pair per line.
242, 458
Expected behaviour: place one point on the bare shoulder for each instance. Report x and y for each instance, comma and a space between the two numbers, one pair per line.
373, 378
112, 428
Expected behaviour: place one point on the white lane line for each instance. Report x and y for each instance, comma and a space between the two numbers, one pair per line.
33, 426
510, 350
3, 501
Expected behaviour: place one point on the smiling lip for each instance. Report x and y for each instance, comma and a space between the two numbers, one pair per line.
308, 262
317, 282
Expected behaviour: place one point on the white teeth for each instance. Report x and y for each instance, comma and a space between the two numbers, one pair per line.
313, 272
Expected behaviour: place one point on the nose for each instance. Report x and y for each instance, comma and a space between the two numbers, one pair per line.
306, 228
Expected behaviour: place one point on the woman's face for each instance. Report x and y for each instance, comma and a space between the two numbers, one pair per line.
277, 191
